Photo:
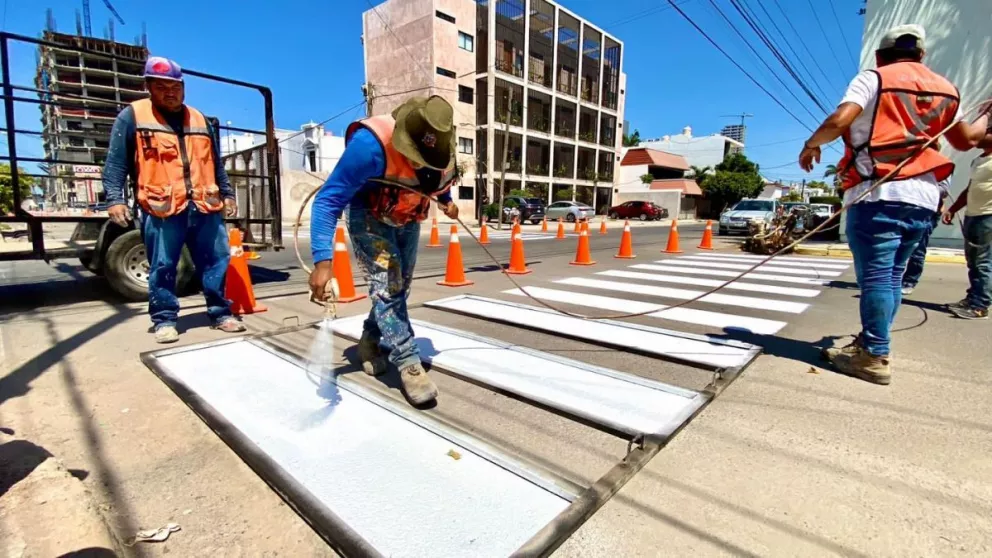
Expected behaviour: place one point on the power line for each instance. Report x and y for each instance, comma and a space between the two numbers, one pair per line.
840, 31
802, 42
826, 39
641, 15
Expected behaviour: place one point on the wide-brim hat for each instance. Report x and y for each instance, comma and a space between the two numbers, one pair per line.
425, 132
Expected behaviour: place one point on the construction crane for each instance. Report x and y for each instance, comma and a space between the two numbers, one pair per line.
86, 16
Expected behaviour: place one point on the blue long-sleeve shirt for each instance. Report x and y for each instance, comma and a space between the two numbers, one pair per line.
362, 160
120, 155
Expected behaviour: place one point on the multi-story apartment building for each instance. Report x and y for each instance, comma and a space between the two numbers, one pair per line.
554, 80
89, 91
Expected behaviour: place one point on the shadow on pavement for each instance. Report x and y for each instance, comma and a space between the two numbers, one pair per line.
18, 458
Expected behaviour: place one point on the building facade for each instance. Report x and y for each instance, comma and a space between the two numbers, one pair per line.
705, 151
89, 91
532, 67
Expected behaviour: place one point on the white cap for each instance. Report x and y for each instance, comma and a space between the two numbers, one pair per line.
891, 37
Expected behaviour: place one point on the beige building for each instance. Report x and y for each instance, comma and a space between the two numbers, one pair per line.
515, 63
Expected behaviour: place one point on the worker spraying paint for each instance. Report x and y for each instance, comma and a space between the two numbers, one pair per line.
385, 157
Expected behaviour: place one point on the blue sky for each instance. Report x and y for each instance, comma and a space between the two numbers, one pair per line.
309, 52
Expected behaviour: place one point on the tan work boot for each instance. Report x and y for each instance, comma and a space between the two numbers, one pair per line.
374, 363
864, 365
851, 348
419, 388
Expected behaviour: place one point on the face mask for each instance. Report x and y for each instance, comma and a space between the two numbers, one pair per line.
430, 179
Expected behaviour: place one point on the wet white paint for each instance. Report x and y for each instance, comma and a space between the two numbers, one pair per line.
735, 286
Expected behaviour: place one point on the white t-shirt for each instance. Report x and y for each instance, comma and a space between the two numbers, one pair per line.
980, 187
920, 190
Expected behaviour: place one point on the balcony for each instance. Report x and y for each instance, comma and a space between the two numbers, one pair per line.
538, 73
508, 66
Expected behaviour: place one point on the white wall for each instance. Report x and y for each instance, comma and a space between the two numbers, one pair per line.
958, 47
629, 178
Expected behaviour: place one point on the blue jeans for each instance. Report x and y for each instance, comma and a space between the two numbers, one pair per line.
882, 236
978, 253
387, 255
914, 268
206, 237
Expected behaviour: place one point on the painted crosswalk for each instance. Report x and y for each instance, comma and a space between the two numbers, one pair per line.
735, 286
505, 235
774, 262
770, 267
754, 276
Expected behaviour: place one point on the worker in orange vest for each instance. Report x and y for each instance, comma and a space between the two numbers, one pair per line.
414, 147
183, 193
885, 115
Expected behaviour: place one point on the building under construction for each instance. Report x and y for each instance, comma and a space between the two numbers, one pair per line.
82, 92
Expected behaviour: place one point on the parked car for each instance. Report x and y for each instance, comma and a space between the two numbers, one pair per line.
570, 211
736, 218
642, 210
531, 209
822, 209
804, 215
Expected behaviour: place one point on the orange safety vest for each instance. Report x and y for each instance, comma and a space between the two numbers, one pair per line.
172, 170
389, 203
914, 105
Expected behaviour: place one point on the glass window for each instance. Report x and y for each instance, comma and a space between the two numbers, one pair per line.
466, 41
465, 192
465, 94
446, 73
465, 145
444, 16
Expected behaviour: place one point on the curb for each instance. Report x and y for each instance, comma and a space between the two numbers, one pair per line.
837, 252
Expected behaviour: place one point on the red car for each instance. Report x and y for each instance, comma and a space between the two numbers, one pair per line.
644, 211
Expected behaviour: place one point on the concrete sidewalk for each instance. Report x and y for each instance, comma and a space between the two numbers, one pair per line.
834, 250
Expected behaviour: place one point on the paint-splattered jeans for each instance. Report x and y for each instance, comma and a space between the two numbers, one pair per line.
206, 237
387, 255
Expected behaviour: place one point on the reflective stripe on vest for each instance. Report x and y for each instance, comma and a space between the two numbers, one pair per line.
172, 170
391, 204
914, 105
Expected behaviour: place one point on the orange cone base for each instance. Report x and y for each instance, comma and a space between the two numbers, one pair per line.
704, 248
514, 272
464, 283
626, 257
581, 263
434, 246
671, 251
241, 311
346, 300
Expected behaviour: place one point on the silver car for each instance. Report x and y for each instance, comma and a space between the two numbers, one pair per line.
569, 211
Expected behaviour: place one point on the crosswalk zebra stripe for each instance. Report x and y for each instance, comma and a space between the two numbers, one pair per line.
776, 261
760, 326
754, 257
754, 276
685, 294
736, 285
743, 267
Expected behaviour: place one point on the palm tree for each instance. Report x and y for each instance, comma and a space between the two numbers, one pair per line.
632, 140
833, 171
699, 173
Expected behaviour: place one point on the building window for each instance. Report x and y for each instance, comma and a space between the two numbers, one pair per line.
465, 146
311, 160
466, 41
446, 73
465, 94
444, 16
465, 192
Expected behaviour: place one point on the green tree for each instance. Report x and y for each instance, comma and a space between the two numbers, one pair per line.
735, 178
647, 178
833, 171
738, 162
699, 174
632, 140
793, 196
7, 190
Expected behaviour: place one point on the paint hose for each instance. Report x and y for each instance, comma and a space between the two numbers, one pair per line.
820, 228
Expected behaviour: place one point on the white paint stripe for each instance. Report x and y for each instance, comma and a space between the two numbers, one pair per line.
775, 261
696, 349
685, 294
753, 276
736, 285
742, 256
759, 326
743, 267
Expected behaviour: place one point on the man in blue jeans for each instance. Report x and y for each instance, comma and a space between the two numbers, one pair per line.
167, 149
885, 116
914, 267
414, 147
977, 197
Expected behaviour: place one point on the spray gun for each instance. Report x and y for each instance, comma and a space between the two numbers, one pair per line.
330, 300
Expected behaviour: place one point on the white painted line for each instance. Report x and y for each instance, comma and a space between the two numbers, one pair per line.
768, 304
742, 256
767, 267
370, 466
736, 285
688, 315
753, 276
683, 347
621, 401
775, 261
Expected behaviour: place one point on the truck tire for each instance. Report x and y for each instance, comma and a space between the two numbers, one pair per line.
126, 267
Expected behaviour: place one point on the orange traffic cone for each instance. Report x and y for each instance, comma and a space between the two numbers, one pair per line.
516, 228
707, 242
454, 276
602, 226
341, 266
578, 225
585, 226
561, 230
518, 264
626, 243
237, 284
582, 255
435, 236
673, 239
484, 233
544, 224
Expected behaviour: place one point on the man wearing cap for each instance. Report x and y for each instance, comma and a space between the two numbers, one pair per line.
884, 118
182, 191
386, 156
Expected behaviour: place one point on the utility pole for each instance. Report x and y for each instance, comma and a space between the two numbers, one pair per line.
368, 90
506, 147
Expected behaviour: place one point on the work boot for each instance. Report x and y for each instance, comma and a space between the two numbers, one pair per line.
851, 348
419, 388
969, 312
166, 334
373, 361
864, 365
230, 324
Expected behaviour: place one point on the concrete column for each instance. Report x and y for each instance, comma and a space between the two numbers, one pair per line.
523, 100
491, 105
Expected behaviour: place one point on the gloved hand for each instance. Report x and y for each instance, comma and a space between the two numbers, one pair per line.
322, 274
